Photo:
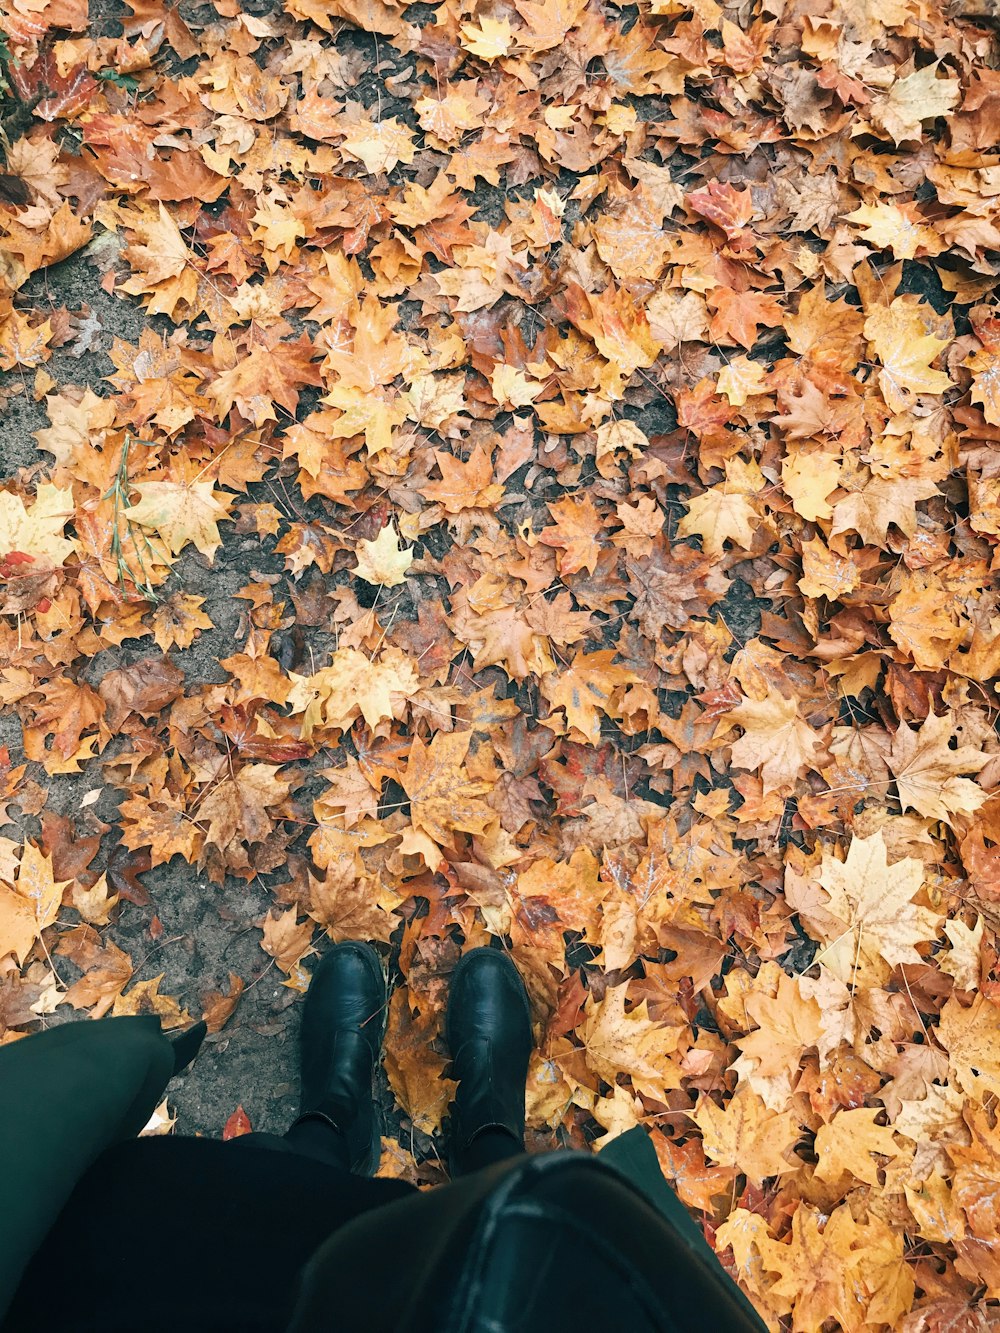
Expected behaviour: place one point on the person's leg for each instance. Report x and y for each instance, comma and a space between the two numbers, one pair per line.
315, 1136
312, 1136
489, 1035
342, 1024
492, 1145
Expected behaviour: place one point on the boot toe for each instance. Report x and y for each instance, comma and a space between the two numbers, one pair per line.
488, 999
348, 989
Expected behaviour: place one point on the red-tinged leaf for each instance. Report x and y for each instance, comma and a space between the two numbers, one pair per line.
238, 725
61, 96
124, 869
237, 1125
723, 204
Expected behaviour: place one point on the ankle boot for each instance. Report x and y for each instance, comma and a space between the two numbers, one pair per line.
342, 1026
489, 1035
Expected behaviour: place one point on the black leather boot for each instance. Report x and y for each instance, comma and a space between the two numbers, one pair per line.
342, 1026
489, 1035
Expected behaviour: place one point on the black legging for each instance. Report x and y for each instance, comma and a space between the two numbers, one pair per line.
318, 1139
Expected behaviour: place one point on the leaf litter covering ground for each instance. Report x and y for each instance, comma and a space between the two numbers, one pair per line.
530, 337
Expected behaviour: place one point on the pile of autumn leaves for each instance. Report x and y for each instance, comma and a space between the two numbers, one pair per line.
751, 881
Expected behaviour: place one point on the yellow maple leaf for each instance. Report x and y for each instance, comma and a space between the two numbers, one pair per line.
744, 1134
286, 939
677, 317
380, 145
927, 770
37, 529
277, 228
788, 1023
161, 254
385, 560
584, 690
971, 1036
23, 342
889, 227
741, 379
512, 388
619, 1042
824, 572
963, 960
873, 503
353, 685
833, 1268
775, 739
452, 111
549, 22
900, 341
374, 413
850, 1143
489, 39
724, 512
984, 363
937, 1213
870, 923
808, 476
30, 905
415, 1070
180, 513
909, 102
75, 427
179, 620
443, 796
619, 434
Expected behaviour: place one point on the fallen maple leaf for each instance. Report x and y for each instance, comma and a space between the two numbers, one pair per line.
287, 939
106, 970
179, 620
725, 513
926, 769
354, 685
237, 811
875, 503
617, 1041
385, 560
145, 998
745, 1133
36, 530
443, 798
971, 1036
851, 1142
901, 343
909, 102
869, 923
180, 513
348, 908
218, 1009
415, 1069
833, 1266
489, 40
775, 739
30, 905
584, 691
464, 485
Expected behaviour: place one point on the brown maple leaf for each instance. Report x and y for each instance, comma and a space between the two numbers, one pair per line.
444, 799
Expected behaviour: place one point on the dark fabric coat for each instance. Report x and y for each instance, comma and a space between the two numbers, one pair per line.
103, 1232
65, 1096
